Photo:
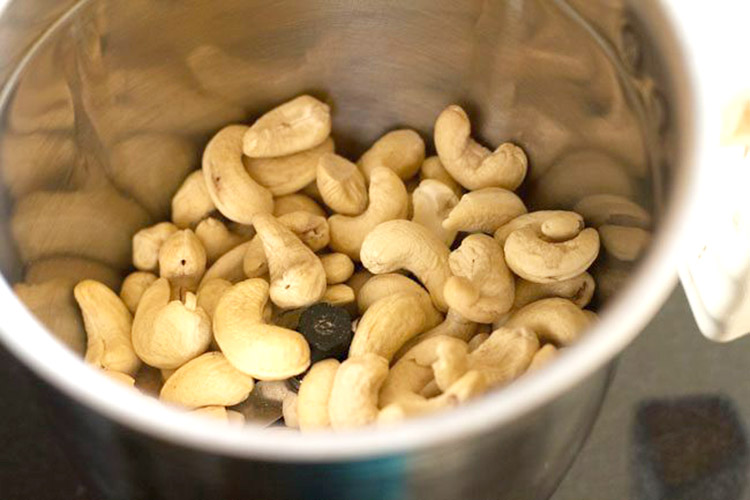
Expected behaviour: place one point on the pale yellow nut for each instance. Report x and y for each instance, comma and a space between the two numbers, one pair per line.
314, 393
289, 410
108, 324
266, 352
122, 378
543, 357
484, 210
208, 380
71, 270
229, 266
182, 331
133, 287
236, 195
287, 174
166, 373
505, 355
338, 267
623, 243
454, 325
210, 293
341, 184
399, 150
600, 209
358, 279
432, 168
402, 244
297, 125
388, 201
297, 276
477, 340
386, 285
540, 222
192, 202
558, 321
432, 202
296, 202
311, 191
216, 238
339, 295
147, 243
578, 289
470, 163
354, 396
220, 414
182, 259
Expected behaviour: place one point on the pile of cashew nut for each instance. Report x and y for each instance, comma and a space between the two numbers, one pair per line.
454, 288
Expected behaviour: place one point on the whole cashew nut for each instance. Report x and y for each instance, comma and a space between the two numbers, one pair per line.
454, 325
339, 295
432, 202
297, 203
182, 260
388, 201
266, 352
314, 394
210, 293
181, 332
484, 210
570, 221
354, 395
216, 238
146, 245
432, 168
600, 209
192, 202
557, 321
578, 289
399, 150
133, 288
229, 266
236, 195
386, 285
341, 184
402, 244
505, 355
481, 288
297, 125
470, 163
623, 243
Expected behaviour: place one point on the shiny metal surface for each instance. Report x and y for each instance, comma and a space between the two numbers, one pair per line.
107, 113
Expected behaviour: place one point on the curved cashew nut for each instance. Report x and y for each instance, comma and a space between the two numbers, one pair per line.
216, 238
266, 352
207, 380
182, 259
454, 325
108, 323
385, 285
146, 245
297, 276
484, 210
505, 355
399, 150
296, 203
432, 168
314, 394
287, 174
182, 331
578, 289
388, 201
557, 321
297, 125
338, 267
210, 293
560, 220
624, 243
339, 295
229, 266
387, 325
543, 356
402, 244
432, 202
192, 202
133, 288
236, 195
600, 209
470, 163
342, 186
481, 288
354, 395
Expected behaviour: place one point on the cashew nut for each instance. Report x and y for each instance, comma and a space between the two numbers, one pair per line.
600, 209
543, 356
182, 331
314, 393
432, 168
358, 279
432, 201
311, 191
624, 243
122, 378
296, 203
146, 245
266, 352
505, 355
554, 221
133, 287
399, 150
578, 289
339, 295
297, 125
216, 238
236, 195
354, 396
210, 293
338, 267
71, 270
289, 410
557, 321
192, 202
388, 201
402, 244
477, 340
108, 324
341, 184
386, 285
484, 210
220, 413
287, 174
208, 380
182, 259
312, 229
229, 266
297, 276
481, 288
470, 163
454, 325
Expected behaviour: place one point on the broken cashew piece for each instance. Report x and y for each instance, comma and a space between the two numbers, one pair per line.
133, 287
192, 202
386, 285
505, 355
484, 210
388, 201
354, 396
557, 321
297, 125
314, 393
266, 352
296, 203
216, 238
578, 289
208, 380
236, 195
432, 202
624, 243
402, 244
470, 163
399, 150
543, 357
600, 209
182, 260
146, 245
341, 184
338, 267
108, 324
